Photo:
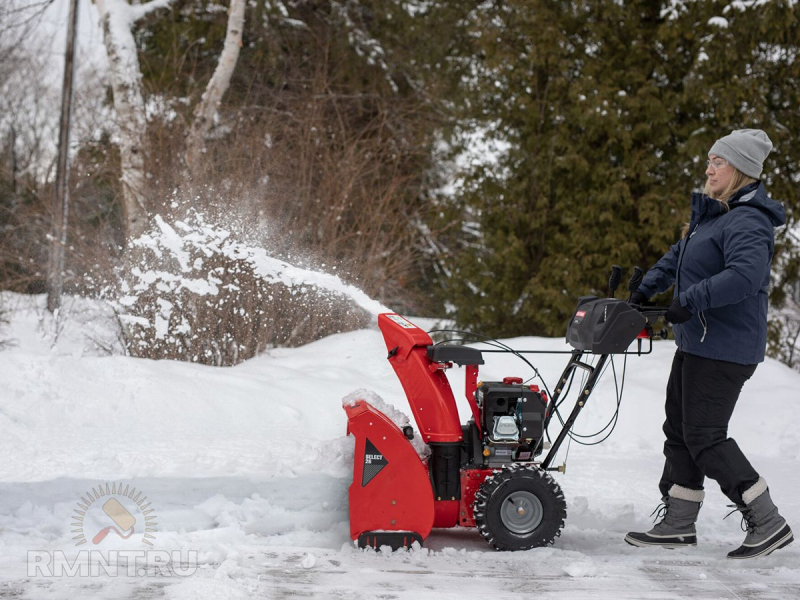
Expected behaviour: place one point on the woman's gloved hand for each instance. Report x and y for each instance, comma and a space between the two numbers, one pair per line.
638, 297
677, 313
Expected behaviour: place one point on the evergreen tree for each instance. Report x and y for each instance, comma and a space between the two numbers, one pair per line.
608, 110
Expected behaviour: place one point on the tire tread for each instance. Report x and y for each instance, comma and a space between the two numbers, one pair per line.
542, 485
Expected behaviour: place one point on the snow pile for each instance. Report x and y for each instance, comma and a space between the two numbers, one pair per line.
396, 416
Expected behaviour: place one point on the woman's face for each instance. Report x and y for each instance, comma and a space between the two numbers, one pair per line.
719, 173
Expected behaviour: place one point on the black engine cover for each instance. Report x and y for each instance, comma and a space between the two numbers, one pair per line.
501, 399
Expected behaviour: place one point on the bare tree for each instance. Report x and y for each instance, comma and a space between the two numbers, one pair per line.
118, 20
217, 86
17, 21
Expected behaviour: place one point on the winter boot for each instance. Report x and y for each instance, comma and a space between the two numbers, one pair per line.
767, 531
676, 528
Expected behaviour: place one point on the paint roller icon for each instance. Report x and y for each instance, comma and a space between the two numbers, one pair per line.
120, 515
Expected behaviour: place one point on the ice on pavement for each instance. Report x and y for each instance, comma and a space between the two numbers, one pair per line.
249, 466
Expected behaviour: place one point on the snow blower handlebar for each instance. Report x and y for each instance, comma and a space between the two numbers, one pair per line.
613, 280
635, 281
601, 326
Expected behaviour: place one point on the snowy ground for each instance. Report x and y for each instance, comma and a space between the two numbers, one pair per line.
247, 470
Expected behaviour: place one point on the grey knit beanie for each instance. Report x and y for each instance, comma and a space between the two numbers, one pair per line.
745, 149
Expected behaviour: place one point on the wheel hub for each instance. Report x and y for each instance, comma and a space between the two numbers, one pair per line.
521, 512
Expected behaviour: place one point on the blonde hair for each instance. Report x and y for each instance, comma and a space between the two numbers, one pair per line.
737, 182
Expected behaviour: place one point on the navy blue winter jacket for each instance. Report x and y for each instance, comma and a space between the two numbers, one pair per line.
721, 275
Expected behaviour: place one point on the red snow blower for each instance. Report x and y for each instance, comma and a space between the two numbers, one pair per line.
485, 473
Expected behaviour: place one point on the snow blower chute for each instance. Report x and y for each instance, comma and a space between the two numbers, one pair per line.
485, 473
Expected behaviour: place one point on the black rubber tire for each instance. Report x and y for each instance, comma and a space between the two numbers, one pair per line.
519, 480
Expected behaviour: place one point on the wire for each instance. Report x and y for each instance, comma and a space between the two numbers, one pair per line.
591, 435
495, 343
612, 423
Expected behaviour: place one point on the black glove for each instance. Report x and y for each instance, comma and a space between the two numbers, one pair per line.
638, 297
677, 313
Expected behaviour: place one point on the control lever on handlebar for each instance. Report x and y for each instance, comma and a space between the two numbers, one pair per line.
653, 313
635, 281
613, 280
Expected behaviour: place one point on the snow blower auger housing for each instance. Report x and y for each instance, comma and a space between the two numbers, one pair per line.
485, 473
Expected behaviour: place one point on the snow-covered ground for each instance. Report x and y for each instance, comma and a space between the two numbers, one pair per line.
247, 469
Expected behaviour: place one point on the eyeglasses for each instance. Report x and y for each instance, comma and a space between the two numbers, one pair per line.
717, 163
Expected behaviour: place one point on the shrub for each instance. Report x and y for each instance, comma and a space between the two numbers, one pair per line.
193, 291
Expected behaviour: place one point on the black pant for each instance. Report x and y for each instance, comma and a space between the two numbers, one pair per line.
701, 395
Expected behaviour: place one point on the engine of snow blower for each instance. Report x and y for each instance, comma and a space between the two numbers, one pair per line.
485, 473
513, 416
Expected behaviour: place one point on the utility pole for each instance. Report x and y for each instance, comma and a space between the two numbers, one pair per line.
58, 242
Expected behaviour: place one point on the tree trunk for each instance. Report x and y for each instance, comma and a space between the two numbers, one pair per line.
118, 18
217, 86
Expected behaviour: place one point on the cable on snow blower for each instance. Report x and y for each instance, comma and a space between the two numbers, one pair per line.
486, 473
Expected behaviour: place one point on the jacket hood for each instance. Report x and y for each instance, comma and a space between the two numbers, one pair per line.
754, 195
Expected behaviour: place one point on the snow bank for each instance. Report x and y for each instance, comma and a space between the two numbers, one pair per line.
249, 467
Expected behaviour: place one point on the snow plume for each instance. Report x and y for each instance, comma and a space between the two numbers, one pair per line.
194, 291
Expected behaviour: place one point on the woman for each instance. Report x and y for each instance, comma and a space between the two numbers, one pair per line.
720, 269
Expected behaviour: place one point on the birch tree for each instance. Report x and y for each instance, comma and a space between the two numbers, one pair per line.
209, 104
118, 19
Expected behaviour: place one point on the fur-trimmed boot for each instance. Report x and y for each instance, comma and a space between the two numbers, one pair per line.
767, 530
676, 528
